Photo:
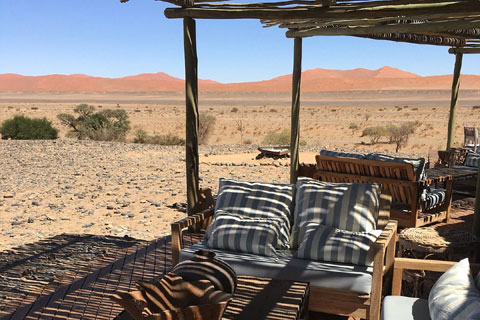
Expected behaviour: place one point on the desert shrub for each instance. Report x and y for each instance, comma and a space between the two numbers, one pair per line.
234, 110
278, 138
354, 127
161, 139
24, 128
105, 125
374, 133
141, 136
273, 110
367, 116
476, 107
248, 141
399, 134
206, 126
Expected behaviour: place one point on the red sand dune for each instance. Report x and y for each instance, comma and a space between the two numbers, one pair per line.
314, 80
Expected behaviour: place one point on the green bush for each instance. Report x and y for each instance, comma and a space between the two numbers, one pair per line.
24, 128
105, 125
374, 133
162, 139
281, 138
206, 126
399, 134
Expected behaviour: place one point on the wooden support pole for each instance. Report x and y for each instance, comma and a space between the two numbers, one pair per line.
295, 127
191, 98
476, 216
454, 99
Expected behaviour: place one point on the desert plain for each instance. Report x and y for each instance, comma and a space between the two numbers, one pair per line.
114, 188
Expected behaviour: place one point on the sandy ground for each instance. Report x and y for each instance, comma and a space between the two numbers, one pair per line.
67, 186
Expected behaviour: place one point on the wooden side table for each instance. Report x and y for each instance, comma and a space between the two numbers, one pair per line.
263, 298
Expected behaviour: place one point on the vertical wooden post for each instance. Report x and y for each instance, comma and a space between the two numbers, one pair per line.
191, 98
476, 215
454, 99
295, 124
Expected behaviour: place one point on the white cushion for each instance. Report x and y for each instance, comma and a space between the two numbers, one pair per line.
329, 244
258, 200
454, 295
346, 206
245, 234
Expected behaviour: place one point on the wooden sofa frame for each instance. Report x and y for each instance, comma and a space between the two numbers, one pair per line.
341, 302
401, 264
397, 179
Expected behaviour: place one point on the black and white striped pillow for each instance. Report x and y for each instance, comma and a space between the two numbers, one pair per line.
346, 206
472, 159
330, 244
258, 200
235, 232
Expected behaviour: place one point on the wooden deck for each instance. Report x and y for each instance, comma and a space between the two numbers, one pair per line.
71, 276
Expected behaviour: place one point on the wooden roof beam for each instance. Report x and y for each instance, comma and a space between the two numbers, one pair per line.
423, 28
463, 50
334, 12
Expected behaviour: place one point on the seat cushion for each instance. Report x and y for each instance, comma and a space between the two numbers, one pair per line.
245, 234
418, 163
404, 308
345, 206
434, 197
341, 154
454, 295
329, 244
286, 267
258, 200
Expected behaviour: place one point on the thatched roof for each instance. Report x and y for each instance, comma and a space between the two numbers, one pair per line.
447, 23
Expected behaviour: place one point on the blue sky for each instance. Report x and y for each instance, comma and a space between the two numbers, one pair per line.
110, 39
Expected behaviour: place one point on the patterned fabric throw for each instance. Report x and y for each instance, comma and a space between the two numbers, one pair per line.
472, 159
328, 244
454, 295
235, 232
346, 206
258, 200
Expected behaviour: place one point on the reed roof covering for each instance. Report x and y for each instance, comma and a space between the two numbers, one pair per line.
436, 22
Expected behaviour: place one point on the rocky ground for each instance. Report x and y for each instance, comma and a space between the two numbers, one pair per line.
102, 188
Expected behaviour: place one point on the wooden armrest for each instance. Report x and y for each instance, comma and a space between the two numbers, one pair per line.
194, 219
401, 264
178, 226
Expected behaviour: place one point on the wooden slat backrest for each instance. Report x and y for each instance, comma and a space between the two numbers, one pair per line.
397, 178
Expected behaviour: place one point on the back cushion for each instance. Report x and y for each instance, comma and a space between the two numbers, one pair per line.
418, 164
345, 206
341, 154
472, 159
258, 200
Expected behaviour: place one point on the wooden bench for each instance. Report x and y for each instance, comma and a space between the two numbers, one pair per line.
398, 179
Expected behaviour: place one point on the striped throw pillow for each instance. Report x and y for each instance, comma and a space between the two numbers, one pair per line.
345, 206
454, 295
258, 200
235, 232
472, 159
329, 244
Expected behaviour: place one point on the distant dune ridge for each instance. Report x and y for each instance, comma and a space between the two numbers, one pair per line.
314, 80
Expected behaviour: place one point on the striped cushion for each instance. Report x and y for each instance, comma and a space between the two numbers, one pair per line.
418, 164
472, 159
434, 197
235, 232
346, 206
329, 244
258, 200
454, 295
474, 315
477, 281
341, 154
